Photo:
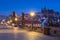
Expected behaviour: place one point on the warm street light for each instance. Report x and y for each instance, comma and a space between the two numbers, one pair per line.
1, 22
32, 14
10, 20
16, 19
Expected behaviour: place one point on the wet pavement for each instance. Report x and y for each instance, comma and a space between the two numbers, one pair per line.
24, 35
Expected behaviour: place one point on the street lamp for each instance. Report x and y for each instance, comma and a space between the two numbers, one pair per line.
16, 19
32, 14
10, 20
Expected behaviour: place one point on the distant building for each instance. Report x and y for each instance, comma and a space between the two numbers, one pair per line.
35, 23
2, 17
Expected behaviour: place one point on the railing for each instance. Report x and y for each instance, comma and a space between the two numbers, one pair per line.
34, 28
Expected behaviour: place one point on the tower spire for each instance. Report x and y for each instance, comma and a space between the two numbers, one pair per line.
13, 13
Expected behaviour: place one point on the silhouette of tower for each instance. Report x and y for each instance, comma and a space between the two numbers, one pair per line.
13, 14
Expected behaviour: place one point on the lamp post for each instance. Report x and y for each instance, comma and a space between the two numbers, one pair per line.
32, 14
23, 19
16, 19
10, 20
13, 17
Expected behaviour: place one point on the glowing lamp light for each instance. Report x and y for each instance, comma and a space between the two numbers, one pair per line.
15, 29
10, 20
32, 14
16, 19
1, 22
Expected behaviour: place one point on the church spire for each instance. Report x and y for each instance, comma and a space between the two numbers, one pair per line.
13, 13
44, 9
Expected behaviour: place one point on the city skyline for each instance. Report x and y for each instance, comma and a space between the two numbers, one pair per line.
29, 20
7, 6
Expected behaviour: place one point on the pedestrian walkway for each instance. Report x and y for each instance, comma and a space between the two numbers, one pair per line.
4, 26
24, 35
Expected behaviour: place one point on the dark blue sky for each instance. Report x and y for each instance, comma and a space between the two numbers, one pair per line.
7, 6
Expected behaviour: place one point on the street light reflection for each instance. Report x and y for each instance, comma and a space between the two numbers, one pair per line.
15, 29
15, 33
8, 22
32, 35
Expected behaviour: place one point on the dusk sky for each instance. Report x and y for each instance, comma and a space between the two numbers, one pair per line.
7, 6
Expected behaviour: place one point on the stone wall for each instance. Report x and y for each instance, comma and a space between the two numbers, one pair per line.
55, 31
